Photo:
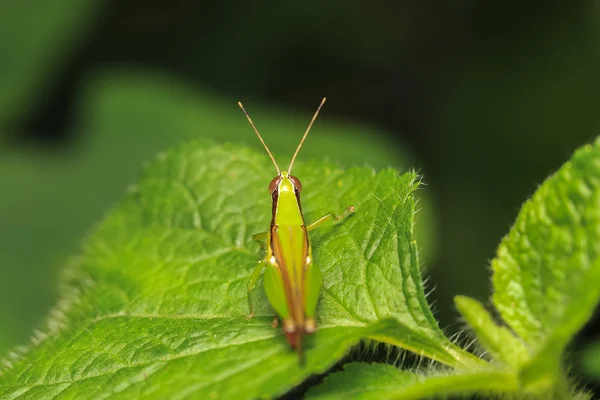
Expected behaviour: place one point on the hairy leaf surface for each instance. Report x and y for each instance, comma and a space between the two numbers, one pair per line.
382, 381
546, 279
545, 267
158, 296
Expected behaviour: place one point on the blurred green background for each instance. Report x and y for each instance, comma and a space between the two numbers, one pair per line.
484, 99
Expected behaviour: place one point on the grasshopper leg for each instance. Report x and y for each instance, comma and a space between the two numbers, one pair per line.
331, 216
261, 238
252, 284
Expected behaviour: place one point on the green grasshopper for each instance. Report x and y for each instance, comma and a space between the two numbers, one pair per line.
292, 282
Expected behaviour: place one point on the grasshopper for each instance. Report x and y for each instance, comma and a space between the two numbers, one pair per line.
292, 282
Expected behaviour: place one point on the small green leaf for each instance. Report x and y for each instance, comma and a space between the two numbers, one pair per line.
382, 381
498, 341
544, 370
157, 300
545, 265
544, 277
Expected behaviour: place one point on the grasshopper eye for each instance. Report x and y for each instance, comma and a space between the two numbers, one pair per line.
274, 183
296, 183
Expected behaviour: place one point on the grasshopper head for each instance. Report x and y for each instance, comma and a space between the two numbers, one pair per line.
284, 182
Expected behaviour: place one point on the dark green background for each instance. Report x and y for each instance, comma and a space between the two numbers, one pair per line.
484, 99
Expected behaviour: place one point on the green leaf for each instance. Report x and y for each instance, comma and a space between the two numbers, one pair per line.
545, 265
35, 37
382, 381
124, 120
544, 278
498, 341
544, 370
157, 299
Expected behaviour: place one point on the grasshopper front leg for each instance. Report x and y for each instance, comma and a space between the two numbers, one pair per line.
261, 238
331, 216
252, 284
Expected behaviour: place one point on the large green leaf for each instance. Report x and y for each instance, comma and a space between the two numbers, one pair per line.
124, 120
156, 302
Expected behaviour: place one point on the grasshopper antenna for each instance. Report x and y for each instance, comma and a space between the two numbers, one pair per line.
306, 133
260, 137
